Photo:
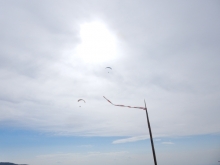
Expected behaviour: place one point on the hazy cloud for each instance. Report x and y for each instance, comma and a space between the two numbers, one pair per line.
86, 146
168, 54
132, 139
167, 143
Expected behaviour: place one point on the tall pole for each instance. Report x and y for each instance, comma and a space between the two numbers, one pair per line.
151, 138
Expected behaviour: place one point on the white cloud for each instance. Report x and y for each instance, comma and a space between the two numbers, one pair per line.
132, 139
86, 146
167, 143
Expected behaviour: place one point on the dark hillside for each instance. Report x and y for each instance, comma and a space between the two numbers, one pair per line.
7, 163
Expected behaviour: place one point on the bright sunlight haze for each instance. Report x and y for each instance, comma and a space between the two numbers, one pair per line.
98, 44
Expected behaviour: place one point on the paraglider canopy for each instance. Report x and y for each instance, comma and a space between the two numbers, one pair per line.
81, 100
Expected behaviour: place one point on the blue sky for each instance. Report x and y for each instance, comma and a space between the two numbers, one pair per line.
53, 53
34, 147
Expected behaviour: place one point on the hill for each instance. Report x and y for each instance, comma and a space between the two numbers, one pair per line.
7, 163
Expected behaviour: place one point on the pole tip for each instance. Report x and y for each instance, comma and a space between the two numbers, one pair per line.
145, 104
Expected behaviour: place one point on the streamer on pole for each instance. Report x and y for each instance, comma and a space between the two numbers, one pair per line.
124, 105
148, 123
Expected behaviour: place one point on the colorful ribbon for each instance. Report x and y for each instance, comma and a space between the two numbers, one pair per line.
124, 105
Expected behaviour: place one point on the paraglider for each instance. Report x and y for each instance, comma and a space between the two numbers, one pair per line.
108, 68
82, 101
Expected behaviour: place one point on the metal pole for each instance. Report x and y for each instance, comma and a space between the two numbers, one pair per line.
151, 138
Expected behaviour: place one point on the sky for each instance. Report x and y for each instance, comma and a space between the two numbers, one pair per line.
53, 53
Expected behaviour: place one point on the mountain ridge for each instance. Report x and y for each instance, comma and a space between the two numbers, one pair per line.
8, 163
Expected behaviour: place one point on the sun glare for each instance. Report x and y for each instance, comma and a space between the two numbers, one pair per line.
98, 44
